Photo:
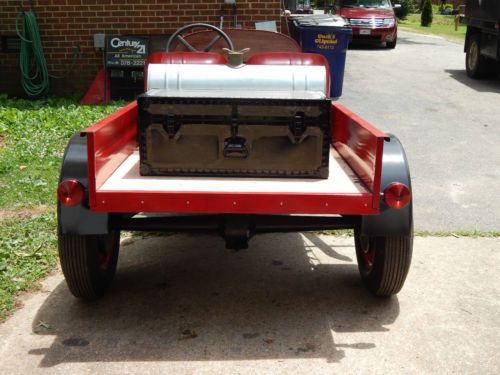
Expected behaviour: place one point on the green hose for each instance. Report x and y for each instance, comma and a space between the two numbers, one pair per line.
34, 75
37, 83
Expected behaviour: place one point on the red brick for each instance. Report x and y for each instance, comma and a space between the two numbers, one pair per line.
66, 23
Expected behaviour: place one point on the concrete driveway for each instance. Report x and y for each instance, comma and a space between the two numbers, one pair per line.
294, 303
448, 123
290, 304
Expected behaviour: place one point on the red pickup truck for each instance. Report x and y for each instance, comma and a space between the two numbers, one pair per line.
372, 21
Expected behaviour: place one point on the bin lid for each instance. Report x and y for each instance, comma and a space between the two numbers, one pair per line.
322, 20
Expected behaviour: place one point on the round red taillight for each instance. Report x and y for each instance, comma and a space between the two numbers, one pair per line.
397, 195
70, 192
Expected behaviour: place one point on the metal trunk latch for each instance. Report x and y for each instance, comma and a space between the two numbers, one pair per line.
298, 125
169, 125
235, 146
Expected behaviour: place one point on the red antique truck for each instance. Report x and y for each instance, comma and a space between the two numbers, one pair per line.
103, 189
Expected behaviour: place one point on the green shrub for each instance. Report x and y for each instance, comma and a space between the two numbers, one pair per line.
426, 17
406, 8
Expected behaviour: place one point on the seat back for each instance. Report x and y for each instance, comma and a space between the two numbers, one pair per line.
292, 58
186, 58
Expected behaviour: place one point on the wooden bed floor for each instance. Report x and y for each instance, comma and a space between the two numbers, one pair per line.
341, 180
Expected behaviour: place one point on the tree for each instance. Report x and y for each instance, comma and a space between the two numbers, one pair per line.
406, 7
426, 17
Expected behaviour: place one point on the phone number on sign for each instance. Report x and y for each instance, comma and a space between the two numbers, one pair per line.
140, 62
325, 47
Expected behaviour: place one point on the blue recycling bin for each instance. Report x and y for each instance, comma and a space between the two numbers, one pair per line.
329, 36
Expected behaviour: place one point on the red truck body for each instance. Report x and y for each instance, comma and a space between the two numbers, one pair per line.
102, 192
111, 141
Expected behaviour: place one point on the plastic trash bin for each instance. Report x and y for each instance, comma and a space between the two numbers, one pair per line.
329, 36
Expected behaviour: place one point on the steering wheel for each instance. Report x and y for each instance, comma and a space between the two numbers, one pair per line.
220, 34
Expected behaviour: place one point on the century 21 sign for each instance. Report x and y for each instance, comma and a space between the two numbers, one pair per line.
128, 44
126, 51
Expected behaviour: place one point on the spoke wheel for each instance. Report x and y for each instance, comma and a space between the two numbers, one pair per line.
367, 254
177, 36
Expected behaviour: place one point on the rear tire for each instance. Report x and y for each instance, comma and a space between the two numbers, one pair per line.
383, 262
89, 262
476, 65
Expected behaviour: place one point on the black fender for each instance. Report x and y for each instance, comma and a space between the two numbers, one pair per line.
79, 219
390, 221
468, 33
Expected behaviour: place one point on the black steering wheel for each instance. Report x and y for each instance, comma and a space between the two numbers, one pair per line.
220, 34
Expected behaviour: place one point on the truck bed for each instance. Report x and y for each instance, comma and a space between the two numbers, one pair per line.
486, 10
115, 184
137, 190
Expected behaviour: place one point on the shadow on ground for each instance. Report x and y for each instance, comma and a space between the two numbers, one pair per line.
360, 46
186, 298
365, 46
421, 41
480, 85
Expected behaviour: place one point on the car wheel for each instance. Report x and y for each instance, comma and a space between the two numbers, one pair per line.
89, 262
383, 262
392, 45
476, 65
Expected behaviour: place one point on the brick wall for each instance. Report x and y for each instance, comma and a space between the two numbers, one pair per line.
65, 24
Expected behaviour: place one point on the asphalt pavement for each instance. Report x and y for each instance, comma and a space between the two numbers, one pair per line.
448, 124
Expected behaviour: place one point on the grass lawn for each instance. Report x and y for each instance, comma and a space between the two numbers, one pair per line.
441, 25
33, 136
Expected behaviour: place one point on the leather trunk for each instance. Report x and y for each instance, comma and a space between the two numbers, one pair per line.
234, 137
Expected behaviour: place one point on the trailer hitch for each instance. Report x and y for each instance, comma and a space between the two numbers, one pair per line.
237, 231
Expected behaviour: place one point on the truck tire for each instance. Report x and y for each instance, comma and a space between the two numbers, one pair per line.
89, 262
476, 65
383, 262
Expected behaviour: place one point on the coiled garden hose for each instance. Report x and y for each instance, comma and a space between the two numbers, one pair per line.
35, 77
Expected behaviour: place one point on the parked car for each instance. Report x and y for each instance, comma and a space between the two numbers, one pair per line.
372, 21
304, 7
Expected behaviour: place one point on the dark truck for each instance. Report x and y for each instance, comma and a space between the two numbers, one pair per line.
482, 41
